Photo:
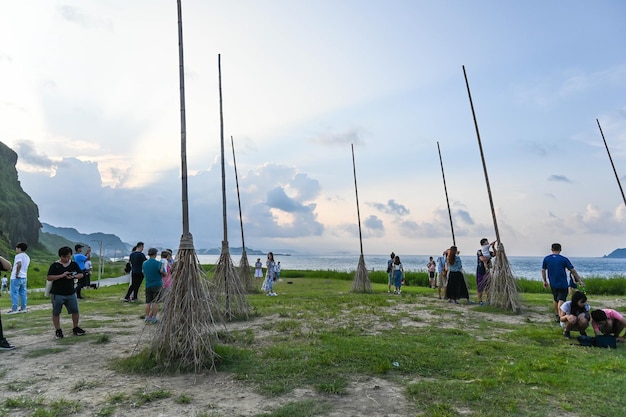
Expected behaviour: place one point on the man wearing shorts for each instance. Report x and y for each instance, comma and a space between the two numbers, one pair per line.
62, 273
153, 272
555, 266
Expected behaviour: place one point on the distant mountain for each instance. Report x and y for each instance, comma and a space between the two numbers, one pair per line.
112, 246
617, 253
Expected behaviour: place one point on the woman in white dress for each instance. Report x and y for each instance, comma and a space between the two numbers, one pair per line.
258, 268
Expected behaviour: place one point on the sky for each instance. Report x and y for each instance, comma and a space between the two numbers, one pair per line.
90, 102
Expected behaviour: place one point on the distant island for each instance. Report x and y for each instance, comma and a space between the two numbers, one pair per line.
617, 253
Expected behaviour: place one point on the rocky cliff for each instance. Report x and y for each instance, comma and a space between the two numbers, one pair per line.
19, 215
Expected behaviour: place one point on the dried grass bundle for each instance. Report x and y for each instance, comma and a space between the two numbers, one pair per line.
246, 275
361, 282
501, 284
187, 332
230, 293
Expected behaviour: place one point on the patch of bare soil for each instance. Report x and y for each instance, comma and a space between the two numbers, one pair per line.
79, 372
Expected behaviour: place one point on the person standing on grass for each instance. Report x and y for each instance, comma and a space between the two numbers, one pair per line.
80, 258
4, 343
456, 287
390, 272
442, 276
483, 265
153, 271
268, 284
136, 259
398, 275
18, 279
62, 274
553, 269
277, 270
608, 322
575, 315
432, 267
258, 268
166, 269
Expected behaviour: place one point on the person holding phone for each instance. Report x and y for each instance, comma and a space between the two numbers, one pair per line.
62, 273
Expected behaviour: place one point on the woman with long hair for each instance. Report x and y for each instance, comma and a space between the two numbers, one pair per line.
456, 282
575, 315
268, 284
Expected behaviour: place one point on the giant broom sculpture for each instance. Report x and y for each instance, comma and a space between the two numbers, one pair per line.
244, 265
185, 336
230, 292
361, 281
501, 284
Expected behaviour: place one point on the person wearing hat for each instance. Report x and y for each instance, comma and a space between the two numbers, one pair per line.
4, 343
80, 258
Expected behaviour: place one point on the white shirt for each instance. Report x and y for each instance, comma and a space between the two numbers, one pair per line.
25, 261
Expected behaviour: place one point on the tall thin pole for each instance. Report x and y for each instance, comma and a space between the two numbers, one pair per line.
446, 191
238, 197
482, 157
219, 70
186, 241
612, 164
358, 213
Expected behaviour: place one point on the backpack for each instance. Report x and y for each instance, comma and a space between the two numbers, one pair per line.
127, 268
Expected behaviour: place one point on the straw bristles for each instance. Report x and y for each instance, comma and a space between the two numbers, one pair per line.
246, 275
230, 292
186, 333
361, 281
501, 285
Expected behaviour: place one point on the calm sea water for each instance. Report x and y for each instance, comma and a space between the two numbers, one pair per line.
528, 267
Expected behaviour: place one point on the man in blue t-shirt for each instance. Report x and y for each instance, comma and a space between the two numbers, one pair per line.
154, 282
555, 266
80, 258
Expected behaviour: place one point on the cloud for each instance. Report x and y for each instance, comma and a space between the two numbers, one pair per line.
559, 178
391, 208
75, 15
351, 136
30, 156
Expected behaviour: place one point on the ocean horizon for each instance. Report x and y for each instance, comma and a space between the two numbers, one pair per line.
528, 267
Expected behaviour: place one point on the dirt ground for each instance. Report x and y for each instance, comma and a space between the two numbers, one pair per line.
56, 376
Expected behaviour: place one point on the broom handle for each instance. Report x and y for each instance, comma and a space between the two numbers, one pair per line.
183, 130
482, 157
232, 144
219, 71
358, 213
446, 191
612, 164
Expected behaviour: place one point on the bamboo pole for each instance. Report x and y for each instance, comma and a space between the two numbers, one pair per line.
612, 164
482, 157
445, 188
244, 266
356, 190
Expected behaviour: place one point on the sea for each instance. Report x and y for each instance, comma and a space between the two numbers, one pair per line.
528, 267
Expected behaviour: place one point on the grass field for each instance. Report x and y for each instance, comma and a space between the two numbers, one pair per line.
319, 350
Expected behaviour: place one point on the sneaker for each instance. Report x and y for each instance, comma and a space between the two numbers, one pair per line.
566, 334
22, 310
273, 294
148, 320
58, 334
154, 320
78, 331
480, 303
5, 345
126, 300
12, 312
268, 294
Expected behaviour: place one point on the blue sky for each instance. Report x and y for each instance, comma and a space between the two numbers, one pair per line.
90, 102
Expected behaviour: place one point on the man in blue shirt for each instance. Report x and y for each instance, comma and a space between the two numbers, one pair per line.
80, 258
555, 266
154, 282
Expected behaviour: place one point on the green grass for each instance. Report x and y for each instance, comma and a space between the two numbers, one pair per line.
317, 334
